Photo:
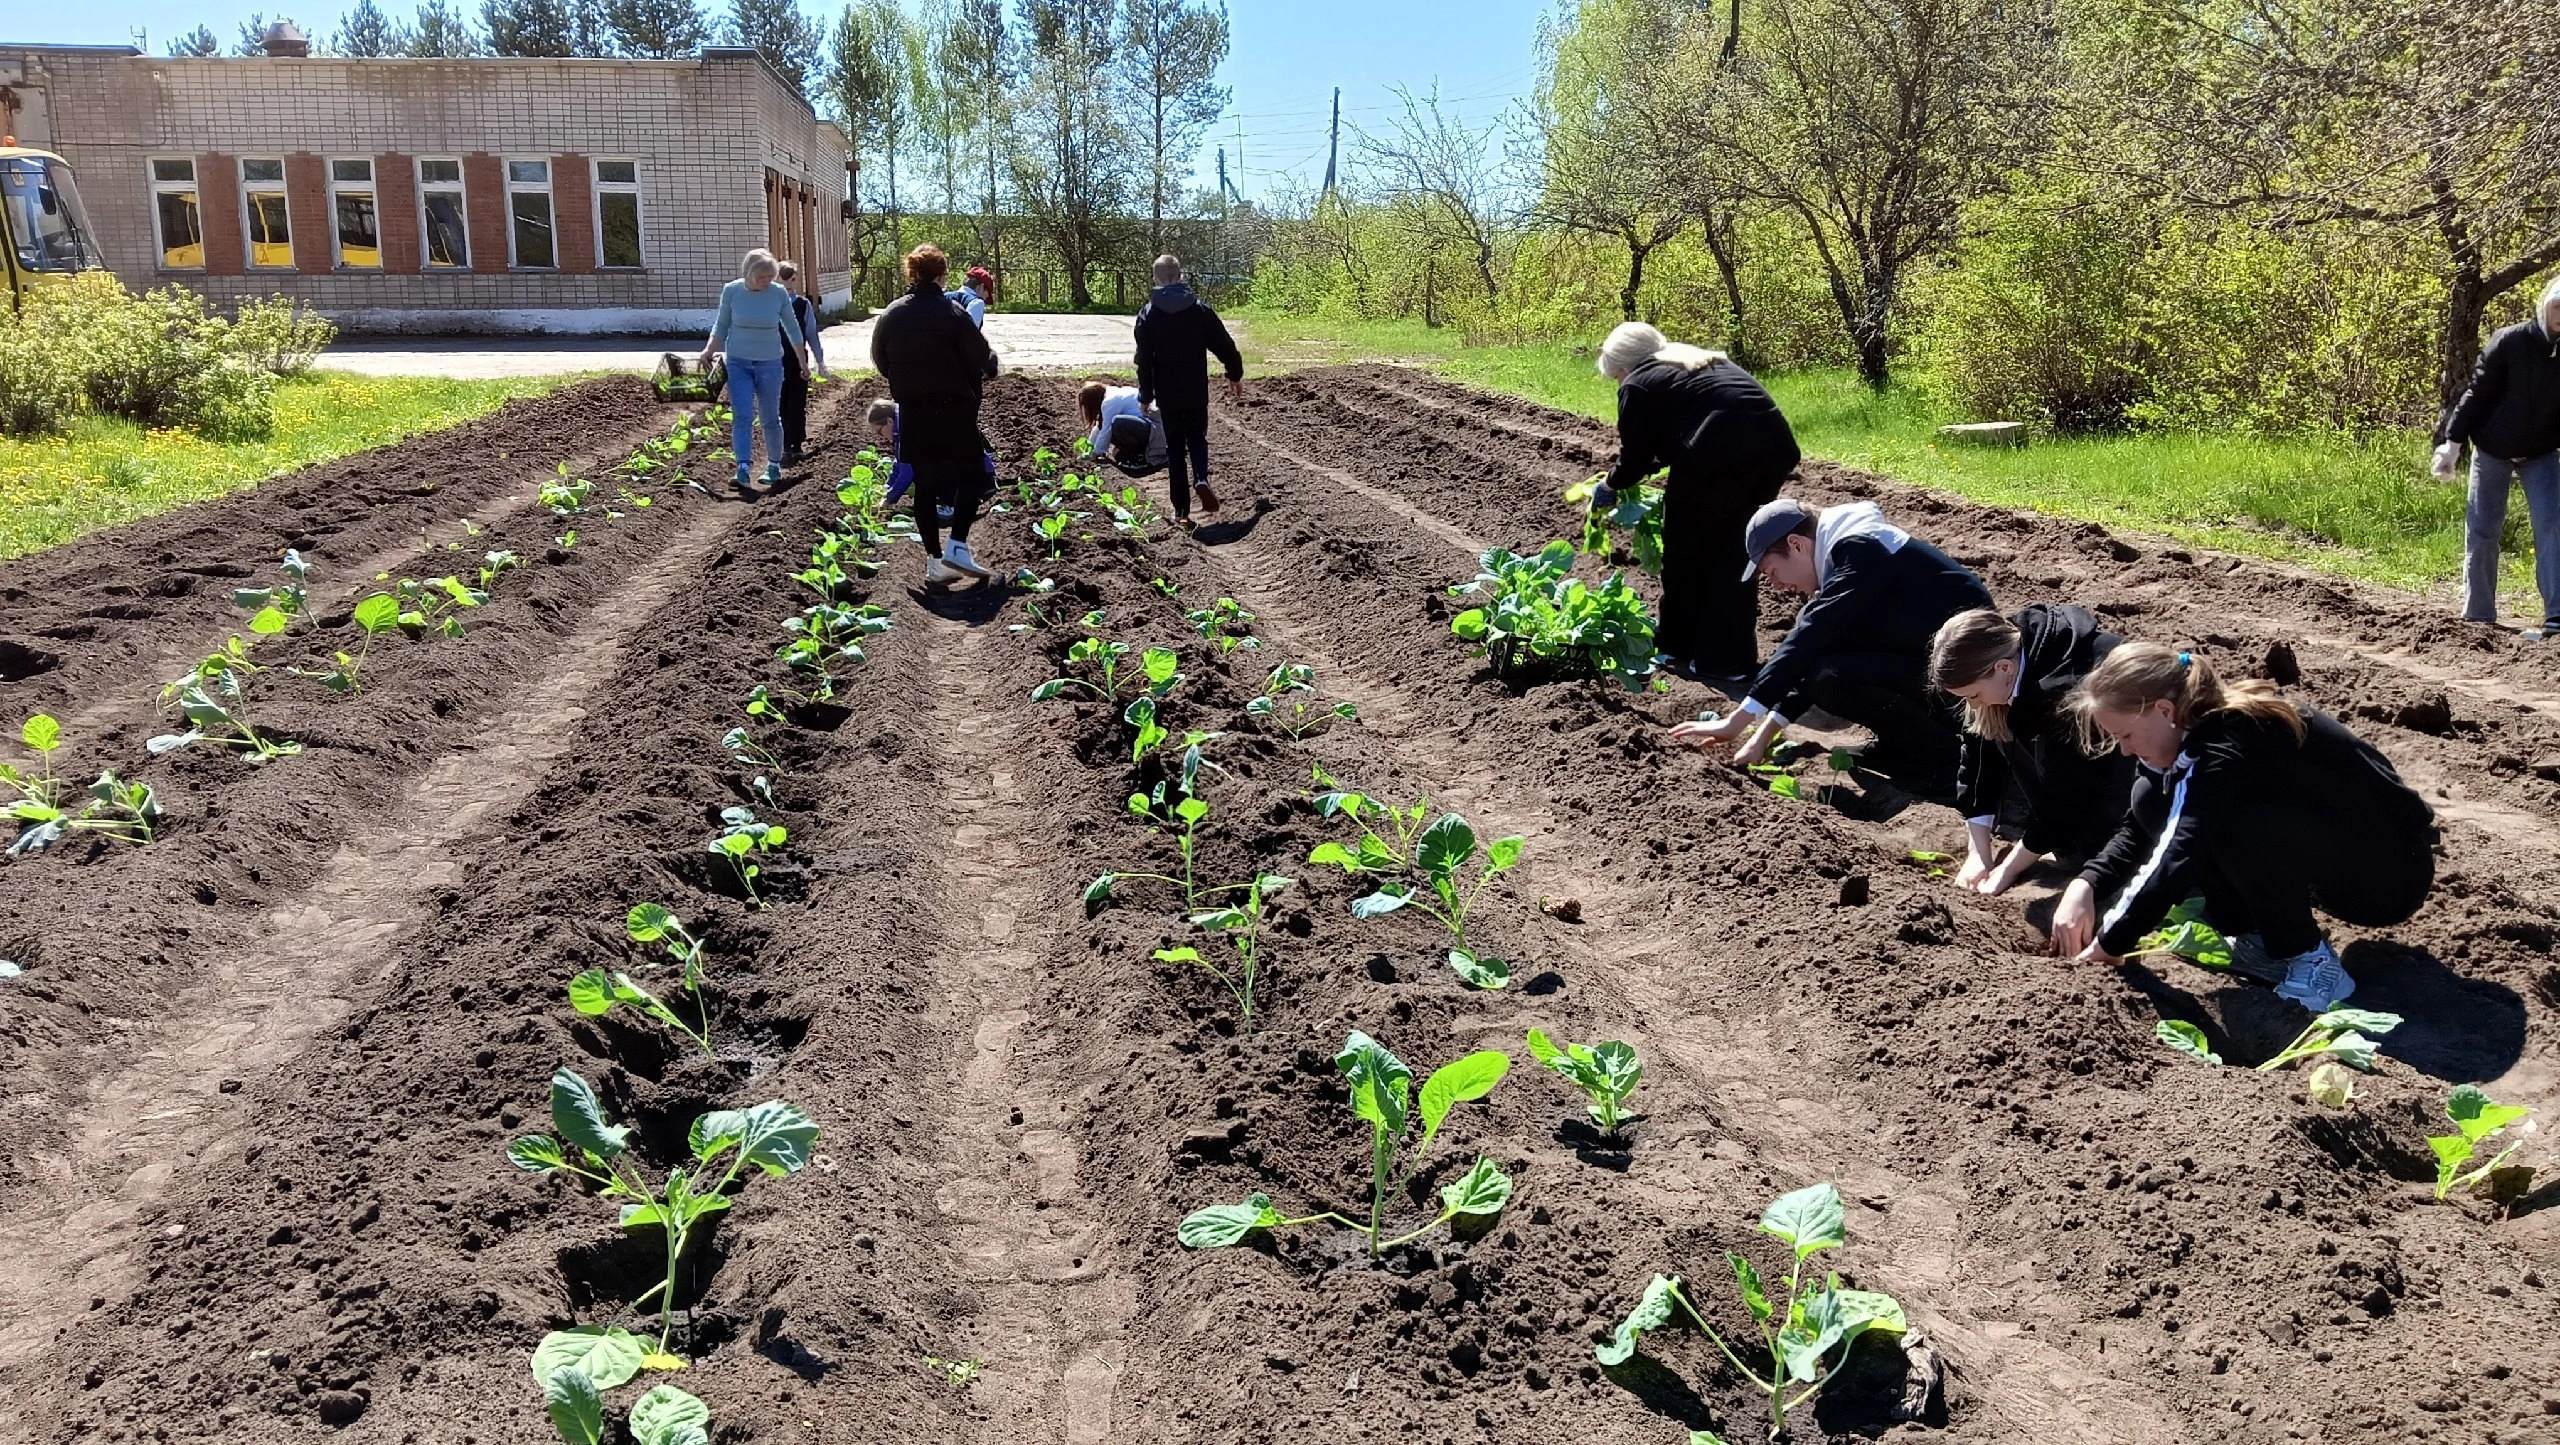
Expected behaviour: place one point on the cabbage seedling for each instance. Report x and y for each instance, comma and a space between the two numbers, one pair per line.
1606, 1073
1287, 680
126, 812
2185, 934
1638, 511
1388, 852
594, 992
1444, 848
273, 609
1158, 673
740, 840
2475, 1119
213, 697
2342, 1035
1381, 1093
1798, 1328
564, 494
656, 923
1224, 622
747, 753
1241, 926
772, 1136
376, 615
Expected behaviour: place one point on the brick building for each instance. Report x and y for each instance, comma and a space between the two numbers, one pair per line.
443, 195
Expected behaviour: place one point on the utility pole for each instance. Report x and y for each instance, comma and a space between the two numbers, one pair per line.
1333, 145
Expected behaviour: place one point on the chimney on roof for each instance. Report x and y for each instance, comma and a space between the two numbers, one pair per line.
285, 39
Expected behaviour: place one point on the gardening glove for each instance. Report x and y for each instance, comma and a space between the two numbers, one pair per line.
2447, 456
1602, 499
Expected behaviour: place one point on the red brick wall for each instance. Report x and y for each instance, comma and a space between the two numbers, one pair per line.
226, 253
395, 200
306, 201
573, 213
484, 200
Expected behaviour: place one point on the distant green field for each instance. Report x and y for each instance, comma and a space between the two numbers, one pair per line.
2364, 509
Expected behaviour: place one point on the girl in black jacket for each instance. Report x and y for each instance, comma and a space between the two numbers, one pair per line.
2022, 773
2263, 808
1729, 450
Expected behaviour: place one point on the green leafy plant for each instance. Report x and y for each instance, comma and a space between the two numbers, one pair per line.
436, 603
958, 1372
213, 697
1605, 1073
827, 635
1131, 510
1382, 1094
772, 1136
1051, 529
741, 840
1158, 673
2185, 934
2475, 1119
564, 494
656, 923
1535, 608
1637, 512
1241, 926
826, 573
1387, 852
1442, 853
125, 812
2341, 1035
1799, 1327
576, 1367
1224, 622
273, 609
1182, 817
747, 753
1284, 684
374, 616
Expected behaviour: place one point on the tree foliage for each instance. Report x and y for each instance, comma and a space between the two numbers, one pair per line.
657, 29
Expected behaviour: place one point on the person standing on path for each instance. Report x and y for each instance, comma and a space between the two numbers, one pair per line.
2023, 773
1729, 450
754, 331
1176, 333
937, 366
1859, 649
975, 294
2510, 417
795, 377
2265, 809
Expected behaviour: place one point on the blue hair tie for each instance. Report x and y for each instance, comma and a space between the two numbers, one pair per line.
2186, 659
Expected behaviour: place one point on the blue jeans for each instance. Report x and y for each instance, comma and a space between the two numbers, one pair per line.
2486, 526
755, 386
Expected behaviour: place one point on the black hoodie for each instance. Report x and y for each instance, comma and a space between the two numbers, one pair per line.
2511, 409
937, 365
1176, 332
2072, 801
1715, 420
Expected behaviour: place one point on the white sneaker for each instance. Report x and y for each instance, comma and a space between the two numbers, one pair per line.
939, 573
955, 553
2316, 980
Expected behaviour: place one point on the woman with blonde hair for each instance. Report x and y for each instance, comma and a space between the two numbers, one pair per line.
2263, 808
1728, 449
2022, 773
754, 330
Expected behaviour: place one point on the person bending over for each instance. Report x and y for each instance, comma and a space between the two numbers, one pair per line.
882, 419
1729, 450
1119, 429
2265, 809
1176, 334
1859, 649
936, 365
2022, 773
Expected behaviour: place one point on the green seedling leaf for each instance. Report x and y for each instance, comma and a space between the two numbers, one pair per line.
1833, 1319
1445, 845
378, 613
575, 1405
41, 732
1478, 971
1455, 1083
648, 922
1335, 854
1652, 1312
656, 1415
268, 621
1097, 893
2476, 1116
536, 1154
2186, 1038
592, 993
1380, 1082
1746, 1277
607, 1355
1485, 1189
2363, 1021
1504, 855
1785, 785
579, 1116
1380, 903
1810, 1219
1221, 1225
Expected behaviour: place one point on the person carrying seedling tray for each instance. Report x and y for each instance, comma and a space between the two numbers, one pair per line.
1859, 649
2265, 809
937, 365
1729, 450
2022, 773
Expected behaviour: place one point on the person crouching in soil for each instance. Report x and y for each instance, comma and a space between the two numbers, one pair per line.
2266, 809
2022, 773
936, 365
1119, 429
881, 417
1729, 449
1859, 649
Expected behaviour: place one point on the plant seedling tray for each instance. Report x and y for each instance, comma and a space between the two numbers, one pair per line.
1513, 661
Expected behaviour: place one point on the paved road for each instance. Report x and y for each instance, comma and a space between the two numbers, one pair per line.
1026, 342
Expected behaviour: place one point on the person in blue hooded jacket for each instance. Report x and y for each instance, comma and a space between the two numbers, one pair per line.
1176, 334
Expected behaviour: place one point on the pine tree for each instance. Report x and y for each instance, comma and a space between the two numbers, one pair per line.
789, 41
441, 32
253, 33
196, 44
366, 31
658, 29
546, 28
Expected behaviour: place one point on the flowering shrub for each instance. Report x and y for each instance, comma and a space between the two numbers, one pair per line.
160, 359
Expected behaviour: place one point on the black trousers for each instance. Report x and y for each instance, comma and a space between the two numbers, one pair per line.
2264, 869
795, 402
1186, 448
1888, 693
1710, 615
957, 485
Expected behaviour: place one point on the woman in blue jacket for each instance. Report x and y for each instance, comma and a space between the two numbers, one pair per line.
754, 330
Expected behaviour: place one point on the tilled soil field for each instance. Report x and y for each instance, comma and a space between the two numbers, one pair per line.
263, 1072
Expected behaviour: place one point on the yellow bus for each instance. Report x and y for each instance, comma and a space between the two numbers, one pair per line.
45, 234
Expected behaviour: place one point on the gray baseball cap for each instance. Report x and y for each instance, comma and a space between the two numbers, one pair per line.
1770, 526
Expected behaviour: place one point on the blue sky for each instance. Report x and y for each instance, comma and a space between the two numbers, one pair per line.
1285, 58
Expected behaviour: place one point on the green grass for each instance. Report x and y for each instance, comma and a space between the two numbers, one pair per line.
2364, 509
53, 489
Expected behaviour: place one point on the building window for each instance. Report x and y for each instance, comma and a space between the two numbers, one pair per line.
448, 235
529, 213
270, 225
359, 223
618, 213
173, 208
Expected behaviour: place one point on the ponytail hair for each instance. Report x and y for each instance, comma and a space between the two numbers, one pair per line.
2138, 674
1967, 647
1633, 343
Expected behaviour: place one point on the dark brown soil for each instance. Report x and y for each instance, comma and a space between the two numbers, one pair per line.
264, 1069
